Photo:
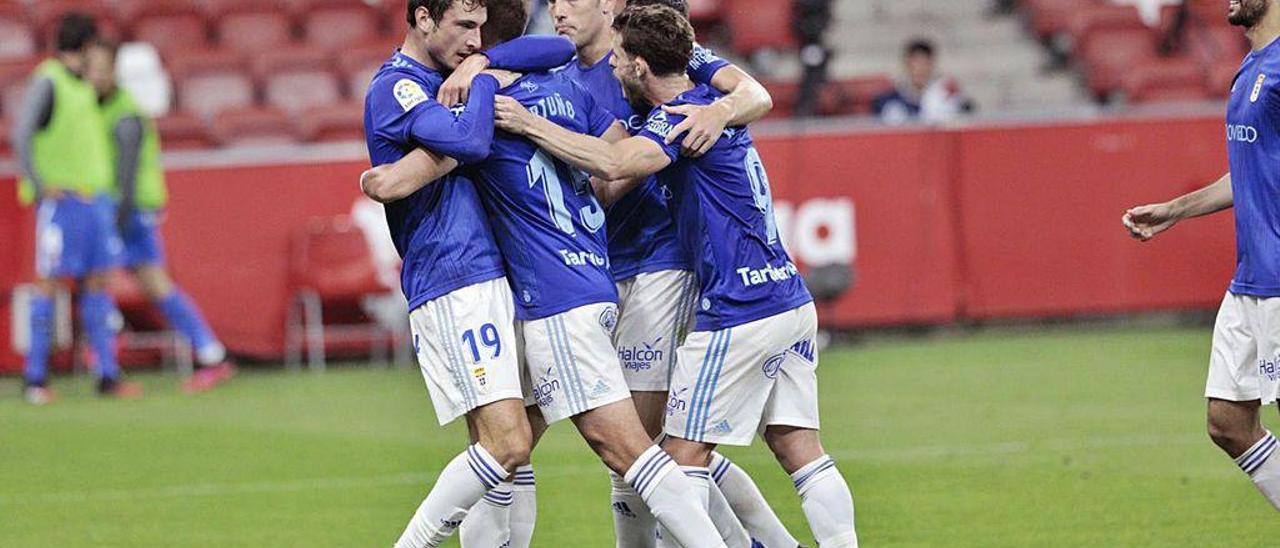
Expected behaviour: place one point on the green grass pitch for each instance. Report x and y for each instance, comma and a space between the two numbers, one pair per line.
1068, 437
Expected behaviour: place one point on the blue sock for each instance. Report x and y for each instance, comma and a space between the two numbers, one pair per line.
37, 370
184, 317
96, 310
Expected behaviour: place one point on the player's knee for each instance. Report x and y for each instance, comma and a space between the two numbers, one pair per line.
1226, 435
793, 447
512, 449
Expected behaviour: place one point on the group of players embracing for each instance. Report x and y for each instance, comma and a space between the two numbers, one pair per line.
504, 161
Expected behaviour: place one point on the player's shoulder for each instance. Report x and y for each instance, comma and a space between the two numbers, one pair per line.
401, 79
702, 56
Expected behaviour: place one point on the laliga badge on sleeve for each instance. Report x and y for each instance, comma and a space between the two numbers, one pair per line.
409, 94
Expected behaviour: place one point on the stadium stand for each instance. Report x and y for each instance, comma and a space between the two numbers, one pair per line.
317, 56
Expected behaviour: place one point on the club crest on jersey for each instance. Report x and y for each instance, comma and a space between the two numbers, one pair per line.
1257, 88
409, 94
528, 86
609, 319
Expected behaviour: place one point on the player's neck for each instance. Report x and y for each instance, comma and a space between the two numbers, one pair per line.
591, 53
414, 49
1266, 31
665, 89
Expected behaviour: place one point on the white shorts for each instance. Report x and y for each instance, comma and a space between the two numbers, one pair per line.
728, 385
655, 312
569, 362
466, 346
1244, 364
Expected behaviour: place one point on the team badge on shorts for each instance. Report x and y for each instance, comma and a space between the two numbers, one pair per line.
482, 378
609, 319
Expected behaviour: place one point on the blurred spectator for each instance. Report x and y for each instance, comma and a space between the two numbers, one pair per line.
922, 94
539, 18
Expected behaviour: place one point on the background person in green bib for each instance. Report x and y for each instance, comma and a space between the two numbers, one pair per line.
137, 180
61, 148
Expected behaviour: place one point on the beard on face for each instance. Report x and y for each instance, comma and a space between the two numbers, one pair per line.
1250, 13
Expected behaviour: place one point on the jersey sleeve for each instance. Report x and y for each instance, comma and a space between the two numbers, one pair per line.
405, 113
704, 64
531, 53
657, 127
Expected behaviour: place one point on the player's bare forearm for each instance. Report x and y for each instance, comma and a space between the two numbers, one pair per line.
1210, 199
747, 100
608, 192
591, 154
393, 182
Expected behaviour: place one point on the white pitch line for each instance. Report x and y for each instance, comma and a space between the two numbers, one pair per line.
409, 478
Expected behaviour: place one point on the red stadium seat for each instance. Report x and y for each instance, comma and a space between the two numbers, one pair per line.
210, 82
182, 131
333, 123
331, 271
853, 95
17, 39
1164, 80
251, 26
759, 24
174, 25
706, 12
1220, 78
1108, 55
1217, 45
295, 80
1092, 20
337, 24
785, 96
358, 65
1050, 17
253, 126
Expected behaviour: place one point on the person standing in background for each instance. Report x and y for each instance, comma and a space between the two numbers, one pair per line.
138, 182
64, 156
923, 94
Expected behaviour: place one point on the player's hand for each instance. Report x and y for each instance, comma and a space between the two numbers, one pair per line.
703, 123
505, 77
511, 116
457, 87
1145, 222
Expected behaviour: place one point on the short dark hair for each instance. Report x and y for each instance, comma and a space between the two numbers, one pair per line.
507, 21
435, 8
659, 34
75, 31
681, 6
920, 46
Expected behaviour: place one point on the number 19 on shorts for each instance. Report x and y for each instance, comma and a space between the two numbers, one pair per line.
487, 337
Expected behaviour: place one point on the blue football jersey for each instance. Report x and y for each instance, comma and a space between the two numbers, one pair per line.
641, 235
548, 224
723, 211
1253, 146
441, 231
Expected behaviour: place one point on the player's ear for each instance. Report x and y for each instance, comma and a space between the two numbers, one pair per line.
641, 66
426, 24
